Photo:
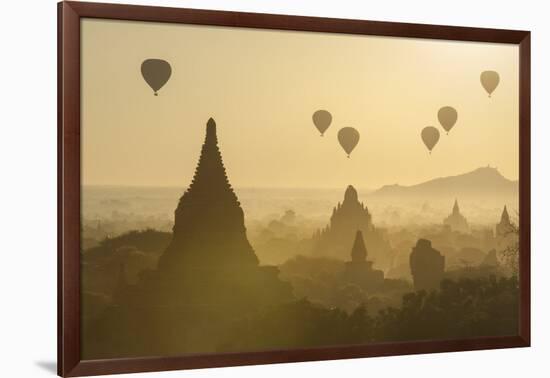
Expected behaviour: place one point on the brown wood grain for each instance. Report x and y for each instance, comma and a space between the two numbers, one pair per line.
69, 15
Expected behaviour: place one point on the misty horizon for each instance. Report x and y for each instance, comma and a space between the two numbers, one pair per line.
361, 188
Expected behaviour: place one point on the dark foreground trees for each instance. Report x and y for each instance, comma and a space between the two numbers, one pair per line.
463, 309
466, 308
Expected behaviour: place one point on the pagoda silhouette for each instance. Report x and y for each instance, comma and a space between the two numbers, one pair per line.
207, 278
360, 270
505, 231
504, 227
209, 221
210, 260
348, 217
456, 221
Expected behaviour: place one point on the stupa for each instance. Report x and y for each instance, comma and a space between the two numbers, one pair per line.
504, 227
456, 221
359, 270
210, 260
206, 279
209, 225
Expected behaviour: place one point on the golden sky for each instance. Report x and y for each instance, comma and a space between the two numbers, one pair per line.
262, 88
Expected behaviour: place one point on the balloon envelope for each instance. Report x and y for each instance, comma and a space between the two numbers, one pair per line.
322, 120
348, 138
447, 117
430, 137
156, 73
489, 80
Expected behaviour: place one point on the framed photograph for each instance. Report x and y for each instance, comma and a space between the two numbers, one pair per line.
239, 188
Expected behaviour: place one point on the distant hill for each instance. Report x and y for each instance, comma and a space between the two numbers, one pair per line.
485, 181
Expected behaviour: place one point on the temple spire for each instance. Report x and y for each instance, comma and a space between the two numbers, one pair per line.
209, 225
358, 251
504, 227
505, 217
211, 137
456, 221
456, 209
210, 179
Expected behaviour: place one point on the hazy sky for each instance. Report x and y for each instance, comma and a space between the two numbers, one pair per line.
262, 88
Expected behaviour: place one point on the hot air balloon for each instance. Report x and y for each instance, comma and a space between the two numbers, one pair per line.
156, 73
348, 138
447, 117
489, 80
322, 120
430, 136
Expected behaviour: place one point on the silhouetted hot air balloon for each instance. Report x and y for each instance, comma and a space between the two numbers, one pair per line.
156, 73
322, 120
430, 136
447, 117
348, 138
489, 80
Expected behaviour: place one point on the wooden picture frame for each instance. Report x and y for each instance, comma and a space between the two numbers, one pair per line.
69, 184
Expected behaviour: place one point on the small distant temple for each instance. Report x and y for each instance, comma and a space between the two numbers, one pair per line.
348, 217
350, 213
504, 227
456, 221
427, 266
359, 270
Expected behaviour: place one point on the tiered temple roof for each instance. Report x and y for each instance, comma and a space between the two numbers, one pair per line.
208, 277
456, 221
348, 217
351, 214
504, 227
